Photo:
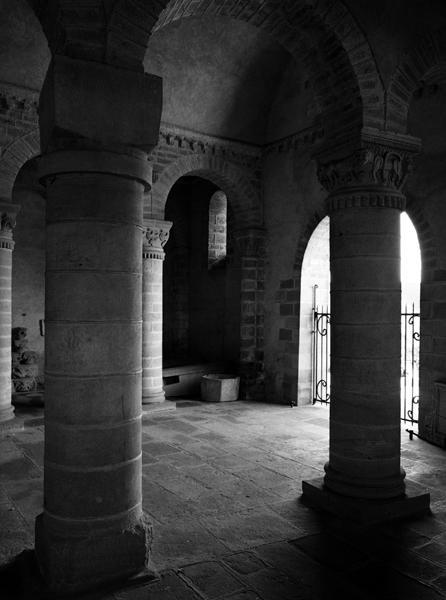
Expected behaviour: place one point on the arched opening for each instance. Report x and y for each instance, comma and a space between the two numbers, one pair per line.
201, 313
314, 334
314, 297
410, 320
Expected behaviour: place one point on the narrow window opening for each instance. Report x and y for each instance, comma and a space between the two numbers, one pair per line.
217, 242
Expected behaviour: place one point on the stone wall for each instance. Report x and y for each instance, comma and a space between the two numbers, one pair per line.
28, 270
294, 205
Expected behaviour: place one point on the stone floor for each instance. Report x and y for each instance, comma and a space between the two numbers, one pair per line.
221, 485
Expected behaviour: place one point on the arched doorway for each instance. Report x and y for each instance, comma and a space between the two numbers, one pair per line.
314, 355
410, 320
201, 312
314, 297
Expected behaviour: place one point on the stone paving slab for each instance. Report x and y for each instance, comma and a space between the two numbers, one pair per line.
221, 484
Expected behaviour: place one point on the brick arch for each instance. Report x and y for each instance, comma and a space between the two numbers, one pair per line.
243, 197
312, 223
323, 36
14, 157
428, 53
426, 237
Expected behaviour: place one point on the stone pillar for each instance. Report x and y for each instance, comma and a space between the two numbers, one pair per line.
250, 245
92, 529
156, 235
8, 214
365, 202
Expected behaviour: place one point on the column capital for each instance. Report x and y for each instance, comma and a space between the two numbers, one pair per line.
371, 172
156, 234
8, 215
251, 241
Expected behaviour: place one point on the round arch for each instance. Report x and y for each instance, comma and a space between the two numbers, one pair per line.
314, 295
324, 37
14, 157
421, 62
243, 197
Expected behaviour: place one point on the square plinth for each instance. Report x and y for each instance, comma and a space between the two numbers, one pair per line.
156, 408
366, 512
92, 560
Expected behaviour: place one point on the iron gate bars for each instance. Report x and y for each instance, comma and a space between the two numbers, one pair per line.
320, 362
410, 356
410, 353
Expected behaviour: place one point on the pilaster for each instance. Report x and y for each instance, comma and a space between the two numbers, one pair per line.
156, 235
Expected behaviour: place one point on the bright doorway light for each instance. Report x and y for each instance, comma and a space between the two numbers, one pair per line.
410, 264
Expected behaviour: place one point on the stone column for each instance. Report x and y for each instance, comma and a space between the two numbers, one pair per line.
8, 214
156, 235
365, 202
251, 250
92, 529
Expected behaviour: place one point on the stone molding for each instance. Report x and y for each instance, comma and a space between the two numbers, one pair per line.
96, 161
379, 166
361, 199
309, 136
248, 155
8, 216
156, 234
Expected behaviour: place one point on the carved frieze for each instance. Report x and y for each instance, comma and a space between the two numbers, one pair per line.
156, 235
372, 173
371, 166
185, 140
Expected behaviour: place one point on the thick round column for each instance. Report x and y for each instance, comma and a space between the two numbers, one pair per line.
155, 237
92, 528
365, 353
7, 222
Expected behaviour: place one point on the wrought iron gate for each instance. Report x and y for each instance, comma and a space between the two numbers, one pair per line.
320, 362
410, 360
410, 352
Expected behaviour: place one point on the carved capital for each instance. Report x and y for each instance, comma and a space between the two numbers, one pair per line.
379, 165
8, 215
251, 242
156, 234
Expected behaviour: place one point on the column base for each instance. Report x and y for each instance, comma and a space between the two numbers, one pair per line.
155, 398
414, 502
157, 407
6, 413
76, 564
9, 422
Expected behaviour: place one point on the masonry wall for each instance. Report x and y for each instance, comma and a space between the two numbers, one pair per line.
28, 270
294, 204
